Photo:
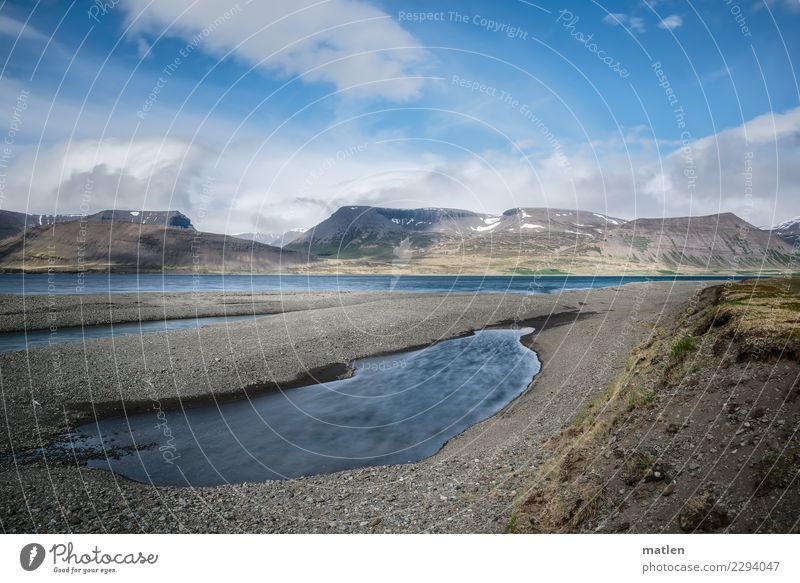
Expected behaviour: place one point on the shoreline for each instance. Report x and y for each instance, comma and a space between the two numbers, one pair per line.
79, 413
476, 471
336, 271
41, 311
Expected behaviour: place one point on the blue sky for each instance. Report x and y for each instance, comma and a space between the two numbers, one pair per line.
266, 116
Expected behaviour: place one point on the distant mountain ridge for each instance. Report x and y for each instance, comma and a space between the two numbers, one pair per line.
789, 231
365, 239
540, 239
274, 239
720, 241
13, 223
362, 231
131, 241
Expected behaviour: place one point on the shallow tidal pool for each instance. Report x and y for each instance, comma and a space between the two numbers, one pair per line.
394, 409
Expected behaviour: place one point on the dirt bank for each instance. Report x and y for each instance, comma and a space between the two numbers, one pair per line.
700, 433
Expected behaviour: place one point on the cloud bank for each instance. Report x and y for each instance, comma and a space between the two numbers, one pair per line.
751, 170
344, 42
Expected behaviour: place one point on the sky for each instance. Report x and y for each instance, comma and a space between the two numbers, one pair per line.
266, 116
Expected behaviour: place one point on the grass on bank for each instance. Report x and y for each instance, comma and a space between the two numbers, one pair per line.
682, 346
562, 495
529, 271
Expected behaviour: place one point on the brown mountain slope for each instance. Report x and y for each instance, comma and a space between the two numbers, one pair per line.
99, 245
357, 232
539, 240
13, 223
716, 241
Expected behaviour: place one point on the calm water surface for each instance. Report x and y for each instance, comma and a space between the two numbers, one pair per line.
12, 341
395, 409
70, 283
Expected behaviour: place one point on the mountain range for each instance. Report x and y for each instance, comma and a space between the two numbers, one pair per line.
531, 240
13, 223
126, 241
365, 239
274, 239
789, 231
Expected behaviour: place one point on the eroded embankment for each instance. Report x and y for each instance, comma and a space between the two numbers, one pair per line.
700, 433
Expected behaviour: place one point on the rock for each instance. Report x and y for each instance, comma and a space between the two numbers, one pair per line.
702, 512
375, 522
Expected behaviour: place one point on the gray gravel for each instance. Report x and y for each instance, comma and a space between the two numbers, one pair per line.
43, 312
467, 487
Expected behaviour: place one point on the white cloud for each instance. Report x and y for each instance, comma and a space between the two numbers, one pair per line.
671, 22
635, 23
16, 29
750, 169
145, 173
344, 42
142, 48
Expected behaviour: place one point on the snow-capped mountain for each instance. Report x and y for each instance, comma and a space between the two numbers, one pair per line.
438, 235
354, 231
13, 223
274, 239
789, 231
132, 241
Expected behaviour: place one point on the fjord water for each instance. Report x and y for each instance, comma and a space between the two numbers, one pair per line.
71, 283
394, 409
13, 341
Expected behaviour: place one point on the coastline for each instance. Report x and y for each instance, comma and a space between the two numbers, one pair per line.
394, 271
51, 310
42, 312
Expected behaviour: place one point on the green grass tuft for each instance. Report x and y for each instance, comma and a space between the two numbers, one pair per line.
640, 398
529, 271
512, 525
682, 346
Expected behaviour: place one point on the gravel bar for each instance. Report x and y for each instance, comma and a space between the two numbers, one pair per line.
582, 338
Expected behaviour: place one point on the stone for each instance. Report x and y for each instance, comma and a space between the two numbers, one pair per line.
702, 512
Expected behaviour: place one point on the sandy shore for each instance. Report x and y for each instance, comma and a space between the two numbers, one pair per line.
466, 487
